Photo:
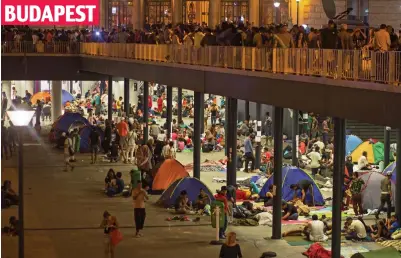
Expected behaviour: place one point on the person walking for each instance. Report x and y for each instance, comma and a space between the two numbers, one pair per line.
221, 196
249, 156
213, 113
68, 152
139, 196
131, 138
94, 138
123, 129
385, 186
356, 189
230, 249
109, 224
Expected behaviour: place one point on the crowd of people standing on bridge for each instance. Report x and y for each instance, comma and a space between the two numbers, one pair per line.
331, 36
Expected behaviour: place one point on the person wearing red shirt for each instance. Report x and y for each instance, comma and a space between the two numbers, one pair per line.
122, 128
150, 102
221, 196
160, 104
302, 147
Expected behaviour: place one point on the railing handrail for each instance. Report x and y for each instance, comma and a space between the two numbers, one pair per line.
358, 65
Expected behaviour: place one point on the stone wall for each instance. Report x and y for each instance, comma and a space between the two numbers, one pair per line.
314, 15
385, 11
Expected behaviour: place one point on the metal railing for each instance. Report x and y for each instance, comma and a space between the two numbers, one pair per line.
58, 48
356, 65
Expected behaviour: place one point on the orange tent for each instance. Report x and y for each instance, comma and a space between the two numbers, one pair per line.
43, 95
169, 172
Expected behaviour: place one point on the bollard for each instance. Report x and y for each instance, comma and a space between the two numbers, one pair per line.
217, 217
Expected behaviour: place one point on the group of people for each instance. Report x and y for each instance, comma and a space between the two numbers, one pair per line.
331, 36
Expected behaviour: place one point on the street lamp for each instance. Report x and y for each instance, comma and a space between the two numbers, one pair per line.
21, 117
298, 11
277, 5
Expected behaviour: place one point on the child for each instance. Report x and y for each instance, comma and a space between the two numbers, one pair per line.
109, 223
114, 152
189, 141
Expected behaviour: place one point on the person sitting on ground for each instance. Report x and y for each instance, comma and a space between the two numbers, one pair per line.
12, 228
394, 224
181, 204
188, 141
268, 199
10, 196
363, 163
303, 186
314, 230
110, 183
355, 229
203, 200
379, 230
119, 183
290, 211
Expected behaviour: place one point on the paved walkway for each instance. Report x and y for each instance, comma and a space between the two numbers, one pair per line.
63, 211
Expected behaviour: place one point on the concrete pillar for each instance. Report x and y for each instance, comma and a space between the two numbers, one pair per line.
338, 183
258, 143
198, 121
136, 14
386, 146
104, 9
56, 95
110, 99
145, 112
169, 111
295, 132
214, 13
398, 176
232, 139
176, 9
126, 97
179, 104
254, 12
6, 88
278, 165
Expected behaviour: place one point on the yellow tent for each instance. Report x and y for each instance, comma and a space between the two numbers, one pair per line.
375, 152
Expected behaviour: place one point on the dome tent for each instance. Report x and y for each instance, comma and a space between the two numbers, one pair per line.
169, 171
85, 141
371, 190
292, 175
375, 152
392, 169
351, 143
63, 123
190, 184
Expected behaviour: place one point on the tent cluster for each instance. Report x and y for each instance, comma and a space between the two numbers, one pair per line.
70, 121
172, 178
45, 96
354, 147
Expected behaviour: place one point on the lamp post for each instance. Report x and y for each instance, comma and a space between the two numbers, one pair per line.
298, 11
276, 5
21, 118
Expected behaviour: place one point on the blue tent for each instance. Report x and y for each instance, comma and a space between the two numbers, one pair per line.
292, 175
190, 184
64, 122
66, 96
351, 142
392, 169
85, 133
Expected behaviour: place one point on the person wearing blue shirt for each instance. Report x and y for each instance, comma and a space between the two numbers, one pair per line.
249, 157
394, 224
119, 183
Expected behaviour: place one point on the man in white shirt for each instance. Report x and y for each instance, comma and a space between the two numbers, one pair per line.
320, 144
315, 158
363, 163
316, 230
355, 229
